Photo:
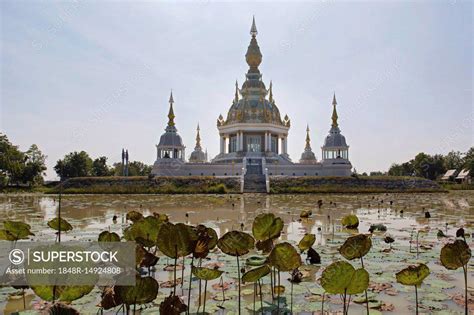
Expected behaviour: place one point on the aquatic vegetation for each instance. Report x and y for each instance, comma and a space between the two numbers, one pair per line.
342, 278
454, 256
59, 224
350, 221
306, 242
413, 275
15, 230
236, 244
205, 274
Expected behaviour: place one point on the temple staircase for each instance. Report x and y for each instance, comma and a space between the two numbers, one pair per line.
254, 179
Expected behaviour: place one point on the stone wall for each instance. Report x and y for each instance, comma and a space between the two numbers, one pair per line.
318, 184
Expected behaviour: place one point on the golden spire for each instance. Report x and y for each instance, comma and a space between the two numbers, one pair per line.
198, 137
236, 99
253, 55
270, 90
253, 29
308, 140
334, 112
171, 115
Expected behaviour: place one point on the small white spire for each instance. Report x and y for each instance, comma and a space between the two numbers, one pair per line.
253, 29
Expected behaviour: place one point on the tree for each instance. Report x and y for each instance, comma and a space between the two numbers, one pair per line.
35, 166
428, 166
404, 169
12, 161
100, 168
468, 161
376, 173
135, 168
74, 164
453, 160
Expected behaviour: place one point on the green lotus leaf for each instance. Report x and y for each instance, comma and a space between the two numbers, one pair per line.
256, 274
266, 226
359, 282
206, 273
256, 260
306, 242
107, 236
356, 246
236, 243
161, 216
6, 236
264, 246
413, 275
62, 293
134, 216
144, 291
176, 240
209, 233
18, 229
144, 231
455, 255
336, 278
55, 224
284, 257
350, 221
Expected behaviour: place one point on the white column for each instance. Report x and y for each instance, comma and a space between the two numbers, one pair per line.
285, 145
269, 141
241, 141
222, 144
266, 141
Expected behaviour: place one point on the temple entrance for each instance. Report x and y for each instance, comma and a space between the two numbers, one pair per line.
254, 166
254, 144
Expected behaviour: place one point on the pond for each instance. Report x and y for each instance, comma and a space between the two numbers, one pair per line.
402, 214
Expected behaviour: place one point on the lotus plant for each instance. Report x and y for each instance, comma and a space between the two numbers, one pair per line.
413, 275
454, 256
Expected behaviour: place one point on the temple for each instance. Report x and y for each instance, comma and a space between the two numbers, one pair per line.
253, 138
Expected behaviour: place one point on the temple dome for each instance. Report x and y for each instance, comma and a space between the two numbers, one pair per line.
170, 139
254, 111
335, 139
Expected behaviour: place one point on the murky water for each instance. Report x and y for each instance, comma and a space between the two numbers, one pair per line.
404, 217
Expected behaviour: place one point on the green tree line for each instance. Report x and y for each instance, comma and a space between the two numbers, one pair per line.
434, 166
17, 167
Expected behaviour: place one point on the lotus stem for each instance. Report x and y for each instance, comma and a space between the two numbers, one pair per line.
238, 274
322, 304
464, 268
261, 295
182, 274
416, 299
291, 298
190, 280
254, 295
205, 289
271, 284
366, 295
175, 263
278, 298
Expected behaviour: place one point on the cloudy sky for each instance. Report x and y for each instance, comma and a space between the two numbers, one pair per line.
96, 76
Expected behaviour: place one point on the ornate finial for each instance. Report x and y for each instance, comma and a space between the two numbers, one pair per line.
198, 137
253, 56
236, 99
253, 29
334, 112
270, 91
171, 115
308, 140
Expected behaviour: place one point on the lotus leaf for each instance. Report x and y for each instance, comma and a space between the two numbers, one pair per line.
284, 257
144, 291
264, 246
266, 226
356, 246
340, 277
206, 273
455, 255
413, 275
350, 221
107, 236
256, 260
60, 308
134, 216
6, 236
359, 282
144, 231
161, 216
236, 243
256, 274
56, 223
176, 240
19, 230
306, 242
62, 293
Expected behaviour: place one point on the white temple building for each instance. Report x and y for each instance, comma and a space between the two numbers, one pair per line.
253, 138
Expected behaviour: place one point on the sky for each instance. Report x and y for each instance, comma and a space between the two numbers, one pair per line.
96, 76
